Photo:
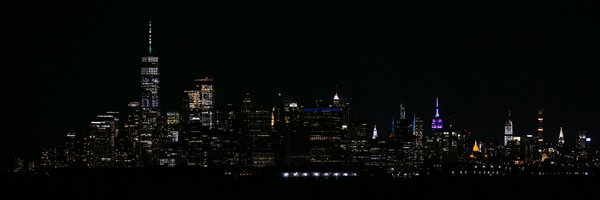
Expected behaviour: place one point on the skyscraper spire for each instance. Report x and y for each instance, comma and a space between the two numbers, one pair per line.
561, 137
437, 111
436, 122
374, 132
508, 130
149, 104
149, 37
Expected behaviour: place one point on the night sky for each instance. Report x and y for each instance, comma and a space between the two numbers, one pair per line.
63, 63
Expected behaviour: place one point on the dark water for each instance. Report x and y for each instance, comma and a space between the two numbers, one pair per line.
186, 184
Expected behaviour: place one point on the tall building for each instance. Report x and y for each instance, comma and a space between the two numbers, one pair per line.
436, 123
561, 137
203, 142
374, 136
359, 144
344, 104
149, 103
289, 127
325, 135
417, 126
173, 126
229, 126
70, 150
100, 141
129, 149
201, 102
540, 125
401, 149
402, 126
581, 146
508, 130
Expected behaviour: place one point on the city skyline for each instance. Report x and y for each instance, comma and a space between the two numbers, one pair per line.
366, 90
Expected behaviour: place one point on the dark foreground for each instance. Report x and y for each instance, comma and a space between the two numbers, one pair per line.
177, 185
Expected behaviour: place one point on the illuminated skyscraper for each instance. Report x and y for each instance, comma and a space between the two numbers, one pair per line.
436, 123
326, 143
344, 104
540, 125
561, 137
100, 141
336, 100
374, 132
201, 102
508, 130
129, 148
200, 123
149, 102
417, 126
70, 151
173, 126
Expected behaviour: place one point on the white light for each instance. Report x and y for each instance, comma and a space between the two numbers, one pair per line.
326, 174
295, 173
588, 139
316, 174
345, 174
286, 174
336, 174
304, 174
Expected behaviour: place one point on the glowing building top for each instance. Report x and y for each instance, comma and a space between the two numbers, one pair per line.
436, 123
561, 137
540, 125
336, 100
475, 147
508, 130
374, 132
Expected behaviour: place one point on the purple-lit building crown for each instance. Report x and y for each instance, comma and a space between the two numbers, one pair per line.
436, 123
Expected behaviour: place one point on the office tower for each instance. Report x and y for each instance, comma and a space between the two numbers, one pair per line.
436, 123
418, 130
258, 134
540, 125
100, 141
344, 104
228, 124
293, 141
508, 131
173, 126
401, 150
70, 151
203, 140
325, 135
150, 110
561, 138
129, 147
581, 146
359, 144
200, 102
402, 126
49, 159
